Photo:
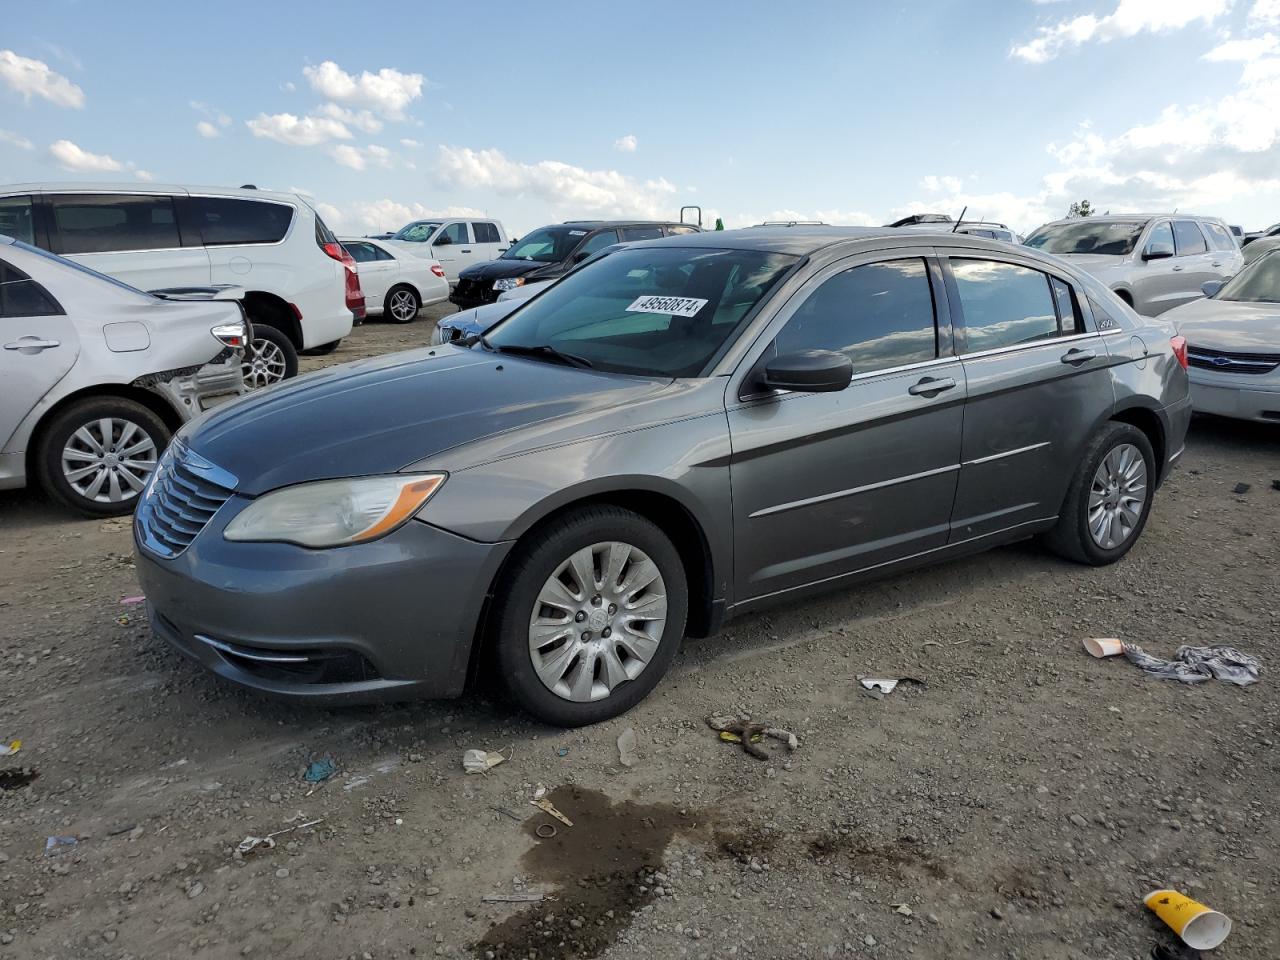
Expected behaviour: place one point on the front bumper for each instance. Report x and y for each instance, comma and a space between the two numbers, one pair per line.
389, 620
1241, 396
473, 293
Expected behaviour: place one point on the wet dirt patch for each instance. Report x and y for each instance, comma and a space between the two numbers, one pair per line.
745, 844
896, 858
17, 779
602, 868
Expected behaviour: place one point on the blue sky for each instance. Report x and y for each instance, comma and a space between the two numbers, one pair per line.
848, 112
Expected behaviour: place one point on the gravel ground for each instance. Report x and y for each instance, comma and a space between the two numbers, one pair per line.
1018, 806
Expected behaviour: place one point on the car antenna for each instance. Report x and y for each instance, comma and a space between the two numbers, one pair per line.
961, 220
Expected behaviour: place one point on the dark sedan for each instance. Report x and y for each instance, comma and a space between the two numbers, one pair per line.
684, 430
548, 253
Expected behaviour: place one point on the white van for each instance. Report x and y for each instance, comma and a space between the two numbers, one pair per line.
457, 244
302, 291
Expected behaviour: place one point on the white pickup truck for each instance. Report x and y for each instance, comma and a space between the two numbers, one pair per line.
457, 244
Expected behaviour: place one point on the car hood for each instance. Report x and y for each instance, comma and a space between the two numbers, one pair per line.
497, 269
1093, 262
1229, 325
379, 416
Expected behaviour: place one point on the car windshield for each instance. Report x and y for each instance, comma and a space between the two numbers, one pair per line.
417, 232
653, 311
1257, 283
548, 245
1112, 237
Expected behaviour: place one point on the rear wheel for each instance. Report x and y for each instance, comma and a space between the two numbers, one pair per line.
97, 455
1109, 500
401, 305
593, 616
271, 357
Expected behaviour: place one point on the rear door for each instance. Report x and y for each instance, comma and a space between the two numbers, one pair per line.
38, 345
132, 237
486, 241
1038, 382
377, 273
1224, 253
1193, 263
825, 484
246, 244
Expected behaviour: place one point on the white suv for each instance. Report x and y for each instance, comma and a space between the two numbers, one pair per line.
301, 288
457, 244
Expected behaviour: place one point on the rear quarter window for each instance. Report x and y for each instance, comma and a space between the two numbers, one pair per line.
224, 221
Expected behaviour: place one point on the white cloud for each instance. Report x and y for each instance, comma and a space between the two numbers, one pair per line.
1129, 18
348, 156
71, 157
1244, 51
207, 129
1264, 12
377, 216
626, 144
15, 140
386, 92
144, 175
940, 184
212, 113
33, 78
561, 185
298, 131
379, 155
407, 142
362, 120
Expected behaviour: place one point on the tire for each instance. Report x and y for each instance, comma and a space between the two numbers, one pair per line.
1073, 537
324, 349
401, 305
68, 451
271, 358
635, 661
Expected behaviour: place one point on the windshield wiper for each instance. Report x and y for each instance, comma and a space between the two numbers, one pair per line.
539, 350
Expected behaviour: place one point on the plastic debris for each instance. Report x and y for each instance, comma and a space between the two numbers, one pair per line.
1104, 647
1200, 927
750, 734
879, 686
10, 748
627, 747
319, 771
562, 752
1241, 488
1275, 484
546, 806
506, 813
480, 761
516, 898
249, 844
133, 601
539, 792
53, 844
1197, 664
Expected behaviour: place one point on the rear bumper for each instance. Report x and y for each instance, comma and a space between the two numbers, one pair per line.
1177, 420
1241, 396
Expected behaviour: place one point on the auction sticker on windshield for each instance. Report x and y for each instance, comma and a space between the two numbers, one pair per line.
675, 306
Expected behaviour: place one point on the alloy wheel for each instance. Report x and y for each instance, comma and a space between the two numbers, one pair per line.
1117, 496
598, 621
264, 364
109, 460
403, 306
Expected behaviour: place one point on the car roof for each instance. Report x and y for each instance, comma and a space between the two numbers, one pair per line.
147, 188
602, 224
804, 240
1132, 217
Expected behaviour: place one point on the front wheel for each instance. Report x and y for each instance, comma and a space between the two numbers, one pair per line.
1109, 499
270, 358
591, 616
401, 305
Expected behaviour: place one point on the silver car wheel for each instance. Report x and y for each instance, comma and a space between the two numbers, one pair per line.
1117, 496
598, 621
109, 460
404, 307
264, 364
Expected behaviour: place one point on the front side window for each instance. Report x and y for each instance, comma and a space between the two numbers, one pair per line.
641, 233
879, 315
107, 223
20, 296
605, 238
1188, 239
1111, 237
16, 218
485, 232
417, 232
548, 245
1218, 235
456, 232
1004, 304
654, 312
227, 221
1161, 236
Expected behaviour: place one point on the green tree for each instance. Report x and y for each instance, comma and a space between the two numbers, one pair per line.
1078, 209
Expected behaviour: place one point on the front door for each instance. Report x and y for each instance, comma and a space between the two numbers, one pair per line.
452, 247
825, 484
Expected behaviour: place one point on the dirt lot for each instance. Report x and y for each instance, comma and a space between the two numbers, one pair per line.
1019, 806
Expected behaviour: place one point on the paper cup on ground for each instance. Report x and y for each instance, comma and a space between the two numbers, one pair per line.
1104, 648
1199, 927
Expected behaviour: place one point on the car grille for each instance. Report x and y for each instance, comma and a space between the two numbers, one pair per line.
181, 498
450, 334
1225, 362
474, 291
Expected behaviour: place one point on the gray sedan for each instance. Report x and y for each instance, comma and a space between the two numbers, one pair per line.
686, 430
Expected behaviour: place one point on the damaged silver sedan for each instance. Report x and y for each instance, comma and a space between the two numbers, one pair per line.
96, 376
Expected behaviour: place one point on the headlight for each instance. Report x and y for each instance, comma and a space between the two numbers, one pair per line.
333, 513
235, 335
508, 283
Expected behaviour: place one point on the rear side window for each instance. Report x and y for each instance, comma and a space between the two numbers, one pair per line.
1187, 238
879, 315
20, 296
15, 218
1004, 304
360, 252
379, 253
485, 232
224, 221
1064, 298
107, 223
1219, 236
641, 233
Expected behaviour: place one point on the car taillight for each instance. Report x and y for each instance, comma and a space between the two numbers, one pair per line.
1179, 345
338, 252
437, 270
354, 296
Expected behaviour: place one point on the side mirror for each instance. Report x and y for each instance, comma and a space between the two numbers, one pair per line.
444, 240
809, 371
1210, 288
1158, 251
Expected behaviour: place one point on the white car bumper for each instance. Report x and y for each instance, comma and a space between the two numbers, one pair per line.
1239, 395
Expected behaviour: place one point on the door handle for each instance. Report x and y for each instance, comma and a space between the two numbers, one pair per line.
1076, 357
1217, 263
929, 387
34, 344
1177, 269
465, 251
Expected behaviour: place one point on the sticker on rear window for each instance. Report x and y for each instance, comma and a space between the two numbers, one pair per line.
577, 233
675, 306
